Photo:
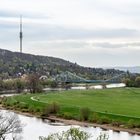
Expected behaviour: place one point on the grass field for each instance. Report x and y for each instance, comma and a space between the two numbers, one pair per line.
116, 101
120, 103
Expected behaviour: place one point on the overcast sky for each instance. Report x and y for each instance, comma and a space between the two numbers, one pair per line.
92, 33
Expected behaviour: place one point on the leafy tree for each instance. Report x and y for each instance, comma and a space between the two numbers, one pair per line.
129, 82
73, 134
9, 84
19, 85
133, 81
137, 81
1, 85
53, 84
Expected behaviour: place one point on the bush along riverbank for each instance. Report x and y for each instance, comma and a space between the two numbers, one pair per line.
82, 116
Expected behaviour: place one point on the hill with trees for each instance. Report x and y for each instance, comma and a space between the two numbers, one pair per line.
15, 64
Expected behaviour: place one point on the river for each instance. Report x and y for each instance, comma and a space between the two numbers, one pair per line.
34, 127
83, 87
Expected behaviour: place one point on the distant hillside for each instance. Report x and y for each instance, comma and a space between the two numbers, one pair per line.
13, 64
135, 69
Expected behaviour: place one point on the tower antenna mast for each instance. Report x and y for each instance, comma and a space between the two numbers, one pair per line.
21, 34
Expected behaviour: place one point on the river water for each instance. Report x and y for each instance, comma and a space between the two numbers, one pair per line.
34, 127
83, 87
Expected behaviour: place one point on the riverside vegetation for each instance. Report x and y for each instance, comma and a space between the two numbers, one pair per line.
118, 107
73, 134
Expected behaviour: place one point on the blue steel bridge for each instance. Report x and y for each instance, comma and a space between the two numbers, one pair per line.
69, 77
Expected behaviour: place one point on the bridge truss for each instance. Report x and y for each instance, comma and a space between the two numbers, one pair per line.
69, 77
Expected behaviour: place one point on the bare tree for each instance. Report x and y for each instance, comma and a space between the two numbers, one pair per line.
10, 126
34, 83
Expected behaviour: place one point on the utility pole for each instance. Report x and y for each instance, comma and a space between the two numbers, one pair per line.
20, 34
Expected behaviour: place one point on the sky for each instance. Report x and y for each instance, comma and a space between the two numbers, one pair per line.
93, 33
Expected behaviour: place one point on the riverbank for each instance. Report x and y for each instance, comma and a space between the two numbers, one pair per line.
79, 123
87, 124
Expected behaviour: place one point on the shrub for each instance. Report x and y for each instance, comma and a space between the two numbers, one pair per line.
131, 124
137, 125
4, 99
95, 117
0, 100
52, 108
7, 104
67, 115
24, 110
103, 120
17, 106
23, 106
31, 110
37, 110
15, 103
84, 113
116, 123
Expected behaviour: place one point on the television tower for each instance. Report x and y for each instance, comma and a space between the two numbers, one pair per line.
20, 34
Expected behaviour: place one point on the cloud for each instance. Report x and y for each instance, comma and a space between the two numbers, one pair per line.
91, 32
16, 14
89, 54
44, 29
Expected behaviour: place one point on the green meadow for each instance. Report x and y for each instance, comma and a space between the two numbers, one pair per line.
121, 104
